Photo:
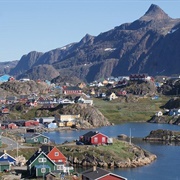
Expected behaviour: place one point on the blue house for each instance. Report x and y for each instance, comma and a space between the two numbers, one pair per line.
52, 125
174, 112
4, 78
6, 157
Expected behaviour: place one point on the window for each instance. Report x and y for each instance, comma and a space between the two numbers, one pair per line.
43, 170
42, 159
95, 139
56, 153
45, 140
60, 167
5, 156
35, 140
103, 139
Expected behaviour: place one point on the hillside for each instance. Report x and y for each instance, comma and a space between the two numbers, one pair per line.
146, 45
22, 88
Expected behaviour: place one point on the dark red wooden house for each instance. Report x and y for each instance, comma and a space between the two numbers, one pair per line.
94, 138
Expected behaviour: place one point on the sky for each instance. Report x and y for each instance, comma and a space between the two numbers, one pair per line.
43, 25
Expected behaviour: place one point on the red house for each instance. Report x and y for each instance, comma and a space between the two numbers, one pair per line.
23, 98
96, 173
5, 111
12, 126
94, 138
54, 154
122, 93
11, 79
31, 123
31, 103
72, 90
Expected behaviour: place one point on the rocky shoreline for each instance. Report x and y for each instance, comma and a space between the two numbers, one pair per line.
140, 157
163, 135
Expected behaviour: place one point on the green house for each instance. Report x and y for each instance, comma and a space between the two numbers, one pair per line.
36, 138
40, 164
5, 166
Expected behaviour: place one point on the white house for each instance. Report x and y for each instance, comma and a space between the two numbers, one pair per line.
159, 113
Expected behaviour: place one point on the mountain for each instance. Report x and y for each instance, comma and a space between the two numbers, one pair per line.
43, 72
5, 67
150, 45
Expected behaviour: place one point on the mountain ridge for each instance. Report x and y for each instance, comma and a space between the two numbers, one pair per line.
125, 49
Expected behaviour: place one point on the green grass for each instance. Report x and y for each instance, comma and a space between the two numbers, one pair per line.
118, 151
117, 111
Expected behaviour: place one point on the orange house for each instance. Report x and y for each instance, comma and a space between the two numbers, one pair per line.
12, 126
5, 111
54, 153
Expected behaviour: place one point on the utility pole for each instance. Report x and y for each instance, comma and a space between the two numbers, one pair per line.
130, 136
17, 149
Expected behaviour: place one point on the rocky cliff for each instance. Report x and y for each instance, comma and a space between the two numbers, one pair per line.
89, 115
17, 88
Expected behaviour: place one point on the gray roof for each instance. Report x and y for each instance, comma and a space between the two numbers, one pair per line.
94, 174
4, 163
33, 135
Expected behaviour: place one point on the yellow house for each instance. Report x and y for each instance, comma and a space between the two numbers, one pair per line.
60, 124
105, 82
112, 96
62, 117
81, 85
68, 123
92, 91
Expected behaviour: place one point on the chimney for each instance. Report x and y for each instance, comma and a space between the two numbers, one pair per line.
39, 150
4, 151
94, 168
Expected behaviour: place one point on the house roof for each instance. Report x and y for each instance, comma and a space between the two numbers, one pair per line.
3, 153
93, 133
46, 149
4, 78
72, 88
99, 173
94, 174
33, 135
112, 176
36, 155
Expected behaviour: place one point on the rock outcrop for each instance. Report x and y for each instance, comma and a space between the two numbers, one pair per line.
95, 157
163, 135
89, 115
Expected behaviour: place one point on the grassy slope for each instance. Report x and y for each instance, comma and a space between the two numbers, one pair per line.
118, 112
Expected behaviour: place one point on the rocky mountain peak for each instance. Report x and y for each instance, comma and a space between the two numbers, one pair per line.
154, 12
87, 38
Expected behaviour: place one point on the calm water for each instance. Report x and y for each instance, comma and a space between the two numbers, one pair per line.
167, 165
